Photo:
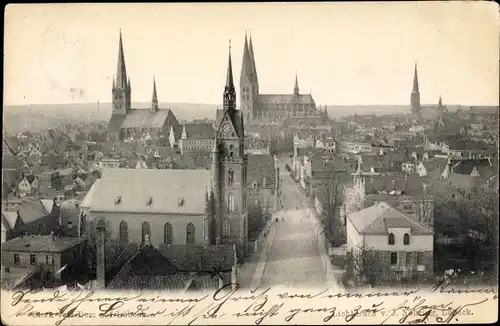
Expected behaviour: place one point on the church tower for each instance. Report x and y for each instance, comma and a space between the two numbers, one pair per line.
296, 87
249, 85
229, 168
416, 110
154, 100
121, 86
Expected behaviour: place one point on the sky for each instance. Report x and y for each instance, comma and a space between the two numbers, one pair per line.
343, 53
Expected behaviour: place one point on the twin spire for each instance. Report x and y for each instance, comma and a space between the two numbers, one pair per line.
248, 68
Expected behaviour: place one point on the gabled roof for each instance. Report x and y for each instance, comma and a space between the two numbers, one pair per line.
377, 219
389, 182
285, 98
10, 219
135, 186
188, 258
199, 131
41, 243
145, 118
32, 211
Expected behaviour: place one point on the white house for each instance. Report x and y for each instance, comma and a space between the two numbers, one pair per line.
402, 246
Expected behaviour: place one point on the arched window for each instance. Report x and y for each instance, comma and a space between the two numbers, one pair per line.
391, 238
167, 233
146, 229
123, 233
230, 202
190, 234
230, 150
406, 239
230, 178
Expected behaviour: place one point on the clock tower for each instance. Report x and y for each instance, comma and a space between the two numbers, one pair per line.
229, 172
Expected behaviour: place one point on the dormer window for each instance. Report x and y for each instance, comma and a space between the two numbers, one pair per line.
150, 201
118, 200
180, 202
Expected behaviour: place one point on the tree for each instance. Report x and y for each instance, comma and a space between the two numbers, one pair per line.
424, 209
256, 221
363, 265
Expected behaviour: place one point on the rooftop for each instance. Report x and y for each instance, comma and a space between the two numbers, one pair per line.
41, 243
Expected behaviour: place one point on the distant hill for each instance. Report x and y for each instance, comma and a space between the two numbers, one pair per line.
37, 117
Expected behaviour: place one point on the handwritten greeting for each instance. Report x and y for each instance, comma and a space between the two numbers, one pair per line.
230, 304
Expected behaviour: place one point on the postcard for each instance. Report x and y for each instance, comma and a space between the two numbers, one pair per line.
250, 163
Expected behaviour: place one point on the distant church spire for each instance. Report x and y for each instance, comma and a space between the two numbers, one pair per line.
154, 100
121, 70
440, 103
415, 80
246, 65
253, 68
229, 91
296, 87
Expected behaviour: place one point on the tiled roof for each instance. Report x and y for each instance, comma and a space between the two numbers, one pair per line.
87, 201
47, 203
199, 131
145, 118
10, 162
390, 182
128, 190
333, 164
285, 98
435, 164
40, 243
376, 220
32, 211
171, 283
188, 258
261, 166
10, 219
482, 166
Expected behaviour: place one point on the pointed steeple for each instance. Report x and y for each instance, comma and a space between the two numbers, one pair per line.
114, 82
296, 87
440, 103
252, 61
154, 100
121, 70
229, 91
246, 65
415, 81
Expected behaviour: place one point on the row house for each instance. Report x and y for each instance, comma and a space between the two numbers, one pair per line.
399, 246
263, 182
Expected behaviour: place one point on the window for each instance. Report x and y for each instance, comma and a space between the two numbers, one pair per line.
190, 234
16, 259
32, 259
123, 233
230, 202
394, 258
70, 225
226, 227
230, 178
406, 239
391, 238
409, 258
49, 260
167, 233
420, 258
146, 229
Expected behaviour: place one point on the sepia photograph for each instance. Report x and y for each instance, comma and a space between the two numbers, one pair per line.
250, 163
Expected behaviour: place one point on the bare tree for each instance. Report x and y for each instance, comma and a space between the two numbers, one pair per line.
363, 265
424, 209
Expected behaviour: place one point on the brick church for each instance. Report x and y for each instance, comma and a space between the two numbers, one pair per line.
178, 207
259, 109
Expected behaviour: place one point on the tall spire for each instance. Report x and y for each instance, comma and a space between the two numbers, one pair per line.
296, 87
154, 100
246, 65
440, 103
253, 68
229, 92
121, 70
415, 80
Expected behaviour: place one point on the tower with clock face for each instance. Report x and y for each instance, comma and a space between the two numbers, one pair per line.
229, 169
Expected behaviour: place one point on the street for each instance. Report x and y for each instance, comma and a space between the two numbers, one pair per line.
294, 259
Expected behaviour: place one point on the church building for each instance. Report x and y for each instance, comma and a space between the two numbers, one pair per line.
131, 124
177, 207
259, 109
